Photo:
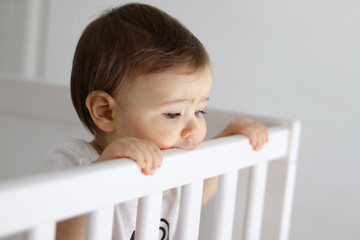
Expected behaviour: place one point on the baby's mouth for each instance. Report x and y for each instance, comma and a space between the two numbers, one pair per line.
191, 147
190, 144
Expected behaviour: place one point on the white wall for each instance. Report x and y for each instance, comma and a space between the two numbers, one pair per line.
12, 28
297, 59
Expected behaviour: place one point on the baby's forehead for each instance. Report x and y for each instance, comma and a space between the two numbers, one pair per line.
169, 78
184, 73
172, 80
168, 89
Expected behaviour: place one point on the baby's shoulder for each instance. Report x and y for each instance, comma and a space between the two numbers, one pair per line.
71, 153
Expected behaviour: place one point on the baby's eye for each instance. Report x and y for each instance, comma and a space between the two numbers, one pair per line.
197, 113
172, 115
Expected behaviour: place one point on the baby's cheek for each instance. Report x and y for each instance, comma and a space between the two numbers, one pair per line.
202, 132
164, 140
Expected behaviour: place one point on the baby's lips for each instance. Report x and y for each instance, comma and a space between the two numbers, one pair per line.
189, 146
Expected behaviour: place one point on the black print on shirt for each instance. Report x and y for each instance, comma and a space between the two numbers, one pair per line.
164, 230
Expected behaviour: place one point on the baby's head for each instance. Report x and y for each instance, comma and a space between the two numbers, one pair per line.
138, 72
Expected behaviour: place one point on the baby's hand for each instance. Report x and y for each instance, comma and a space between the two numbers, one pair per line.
255, 131
146, 154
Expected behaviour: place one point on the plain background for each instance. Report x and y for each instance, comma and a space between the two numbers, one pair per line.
295, 59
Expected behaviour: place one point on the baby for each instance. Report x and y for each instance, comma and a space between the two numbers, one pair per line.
140, 83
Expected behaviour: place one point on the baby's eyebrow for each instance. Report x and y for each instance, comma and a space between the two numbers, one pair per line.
205, 99
184, 100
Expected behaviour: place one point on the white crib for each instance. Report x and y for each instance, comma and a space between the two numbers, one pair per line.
36, 116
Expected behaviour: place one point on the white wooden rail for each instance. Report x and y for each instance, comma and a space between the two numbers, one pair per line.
35, 203
38, 202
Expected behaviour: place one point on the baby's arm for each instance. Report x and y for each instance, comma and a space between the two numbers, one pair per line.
147, 156
258, 136
71, 229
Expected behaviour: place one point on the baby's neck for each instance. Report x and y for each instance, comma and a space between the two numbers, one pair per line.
97, 146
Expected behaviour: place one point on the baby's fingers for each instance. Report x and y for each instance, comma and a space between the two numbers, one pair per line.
255, 131
137, 153
252, 134
153, 159
262, 136
146, 154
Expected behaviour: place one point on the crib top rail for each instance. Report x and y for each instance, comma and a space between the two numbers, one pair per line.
64, 194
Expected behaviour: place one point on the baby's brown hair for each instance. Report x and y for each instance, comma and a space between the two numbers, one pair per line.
124, 43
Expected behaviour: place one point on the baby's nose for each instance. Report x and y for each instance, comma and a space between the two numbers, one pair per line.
191, 130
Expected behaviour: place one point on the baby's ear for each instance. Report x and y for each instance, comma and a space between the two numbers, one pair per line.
102, 109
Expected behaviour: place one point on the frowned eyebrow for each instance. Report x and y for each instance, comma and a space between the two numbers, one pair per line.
184, 100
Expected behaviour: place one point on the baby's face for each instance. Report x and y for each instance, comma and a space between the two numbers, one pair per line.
165, 108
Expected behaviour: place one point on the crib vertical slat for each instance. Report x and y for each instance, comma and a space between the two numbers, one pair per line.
148, 217
99, 224
278, 203
225, 206
255, 201
280, 190
43, 232
190, 210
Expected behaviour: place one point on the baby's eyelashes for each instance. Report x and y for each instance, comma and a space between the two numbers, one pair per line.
200, 112
176, 115
172, 115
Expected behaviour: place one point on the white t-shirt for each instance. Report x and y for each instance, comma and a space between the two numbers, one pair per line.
78, 153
